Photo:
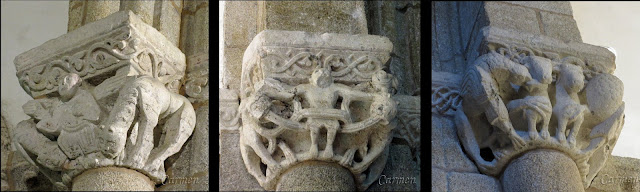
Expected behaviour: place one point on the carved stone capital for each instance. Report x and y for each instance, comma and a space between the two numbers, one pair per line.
316, 97
533, 92
197, 82
106, 95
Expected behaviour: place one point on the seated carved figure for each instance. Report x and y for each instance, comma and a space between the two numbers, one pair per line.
484, 87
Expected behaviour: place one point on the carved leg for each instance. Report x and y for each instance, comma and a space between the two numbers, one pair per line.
114, 129
331, 136
574, 131
560, 130
532, 119
174, 138
138, 154
545, 127
313, 151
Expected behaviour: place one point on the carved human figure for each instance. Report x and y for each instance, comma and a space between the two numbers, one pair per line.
535, 106
322, 93
70, 119
484, 87
144, 101
568, 109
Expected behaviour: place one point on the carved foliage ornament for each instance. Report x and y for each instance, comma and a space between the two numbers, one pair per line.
514, 100
315, 101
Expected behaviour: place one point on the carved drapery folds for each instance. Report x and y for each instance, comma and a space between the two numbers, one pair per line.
112, 88
318, 97
518, 97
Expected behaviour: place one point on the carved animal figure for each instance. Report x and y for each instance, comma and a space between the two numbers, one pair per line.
143, 102
568, 109
536, 106
484, 87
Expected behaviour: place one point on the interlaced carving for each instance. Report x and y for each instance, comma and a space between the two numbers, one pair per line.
293, 111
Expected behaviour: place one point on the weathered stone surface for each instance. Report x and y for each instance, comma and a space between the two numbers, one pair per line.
233, 175
468, 11
76, 14
232, 69
112, 179
401, 173
542, 170
167, 18
438, 179
346, 17
561, 27
240, 24
618, 174
515, 18
97, 10
143, 8
447, 34
316, 176
194, 38
561, 7
463, 182
447, 152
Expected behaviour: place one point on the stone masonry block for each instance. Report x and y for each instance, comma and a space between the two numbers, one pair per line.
438, 179
512, 17
240, 23
347, 17
233, 174
562, 7
561, 27
470, 182
446, 31
447, 140
232, 61
468, 11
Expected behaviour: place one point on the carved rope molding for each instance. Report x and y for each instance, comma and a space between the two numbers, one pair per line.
112, 87
320, 97
518, 96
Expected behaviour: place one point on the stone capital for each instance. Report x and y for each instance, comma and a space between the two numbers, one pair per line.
524, 92
105, 95
316, 97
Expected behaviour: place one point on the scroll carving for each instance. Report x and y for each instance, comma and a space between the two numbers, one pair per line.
515, 99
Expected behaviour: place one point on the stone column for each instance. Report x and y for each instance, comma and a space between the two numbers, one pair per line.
529, 84
107, 111
112, 179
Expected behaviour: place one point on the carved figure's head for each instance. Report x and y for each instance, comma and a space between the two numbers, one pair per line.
68, 86
540, 68
570, 77
321, 77
381, 81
